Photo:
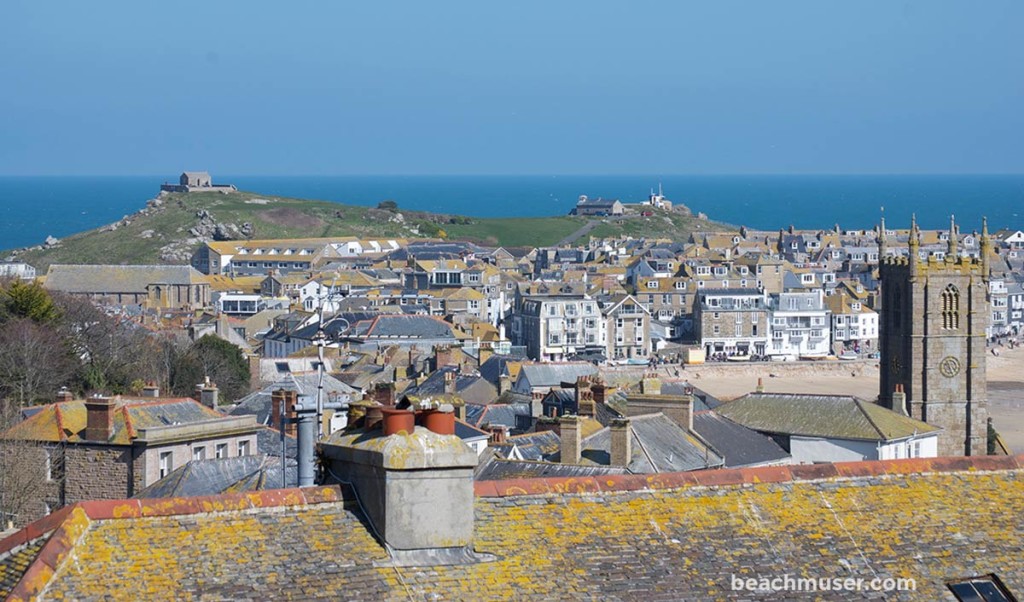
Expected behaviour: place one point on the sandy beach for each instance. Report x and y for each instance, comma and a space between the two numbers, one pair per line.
1005, 384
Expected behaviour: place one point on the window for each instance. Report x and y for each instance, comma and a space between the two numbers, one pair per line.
199, 453
222, 450
166, 462
716, 315
716, 329
951, 308
243, 448
652, 284
984, 588
915, 449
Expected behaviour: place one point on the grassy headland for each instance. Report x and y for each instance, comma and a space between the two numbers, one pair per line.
174, 224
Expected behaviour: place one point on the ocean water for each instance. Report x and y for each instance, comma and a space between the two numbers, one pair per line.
32, 208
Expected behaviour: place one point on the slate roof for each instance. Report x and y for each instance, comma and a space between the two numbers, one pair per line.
737, 444
659, 445
554, 374
16, 561
471, 388
510, 415
259, 402
394, 326
65, 421
828, 416
545, 443
702, 400
497, 364
118, 278
223, 475
615, 537
497, 469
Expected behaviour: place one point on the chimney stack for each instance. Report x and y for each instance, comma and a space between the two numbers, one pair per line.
600, 391
384, 394
571, 439
282, 398
499, 434
450, 379
504, 383
622, 442
899, 400
444, 355
151, 390
650, 384
64, 395
207, 394
584, 397
99, 418
484, 352
417, 491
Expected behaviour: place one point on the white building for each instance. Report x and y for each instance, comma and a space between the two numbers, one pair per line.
854, 325
17, 270
833, 428
800, 326
556, 327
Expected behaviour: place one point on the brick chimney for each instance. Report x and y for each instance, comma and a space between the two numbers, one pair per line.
571, 439
99, 418
584, 397
64, 395
151, 390
677, 407
504, 383
499, 433
484, 353
622, 441
286, 399
600, 391
444, 355
384, 393
547, 423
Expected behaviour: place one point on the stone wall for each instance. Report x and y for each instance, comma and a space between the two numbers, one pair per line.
97, 472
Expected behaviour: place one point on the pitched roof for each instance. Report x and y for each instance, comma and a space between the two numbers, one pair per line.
65, 421
659, 445
551, 374
221, 475
671, 536
830, 416
498, 469
118, 278
737, 444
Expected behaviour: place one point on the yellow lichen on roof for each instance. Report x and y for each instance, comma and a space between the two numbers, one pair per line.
679, 543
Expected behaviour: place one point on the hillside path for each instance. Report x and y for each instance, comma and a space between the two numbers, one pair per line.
568, 240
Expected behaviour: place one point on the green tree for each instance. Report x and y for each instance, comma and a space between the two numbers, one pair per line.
20, 299
214, 358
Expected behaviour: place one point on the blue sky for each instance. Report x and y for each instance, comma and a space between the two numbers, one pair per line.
513, 88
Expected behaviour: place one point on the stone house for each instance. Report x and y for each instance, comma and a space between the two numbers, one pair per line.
733, 321
111, 448
153, 286
628, 327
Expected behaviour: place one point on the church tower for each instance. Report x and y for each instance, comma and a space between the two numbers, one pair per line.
932, 338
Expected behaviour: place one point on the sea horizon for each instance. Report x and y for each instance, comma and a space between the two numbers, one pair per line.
33, 207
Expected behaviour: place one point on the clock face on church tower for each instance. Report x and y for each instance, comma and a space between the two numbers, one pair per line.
949, 366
